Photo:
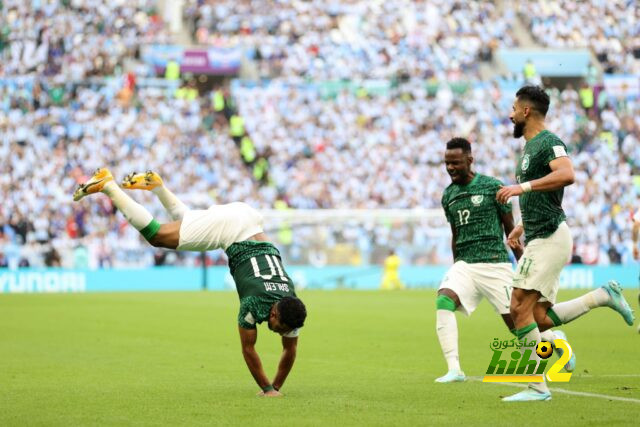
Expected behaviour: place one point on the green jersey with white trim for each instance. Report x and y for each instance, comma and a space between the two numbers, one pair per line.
261, 281
541, 210
474, 213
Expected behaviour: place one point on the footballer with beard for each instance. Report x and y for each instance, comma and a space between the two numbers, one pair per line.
542, 172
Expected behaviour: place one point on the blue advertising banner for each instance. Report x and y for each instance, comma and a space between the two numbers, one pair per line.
56, 280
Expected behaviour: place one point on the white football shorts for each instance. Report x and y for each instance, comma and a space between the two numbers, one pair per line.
472, 282
542, 262
218, 227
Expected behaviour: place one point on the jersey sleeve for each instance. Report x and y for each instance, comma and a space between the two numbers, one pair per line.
553, 149
246, 319
636, 217
502, 208
445, 201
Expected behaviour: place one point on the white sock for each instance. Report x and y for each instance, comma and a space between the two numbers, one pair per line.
548, 335
534, 334
171, 203
572, 309
133, 212
447, 329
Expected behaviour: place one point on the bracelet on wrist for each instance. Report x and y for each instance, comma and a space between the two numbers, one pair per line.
268, 388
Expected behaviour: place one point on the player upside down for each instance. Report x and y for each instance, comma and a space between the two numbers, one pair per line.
266, 291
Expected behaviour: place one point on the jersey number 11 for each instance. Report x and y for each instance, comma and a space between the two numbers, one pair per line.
274, 267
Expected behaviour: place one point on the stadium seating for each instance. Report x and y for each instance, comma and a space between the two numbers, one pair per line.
74, 39
374, 141
324, 40
609, 28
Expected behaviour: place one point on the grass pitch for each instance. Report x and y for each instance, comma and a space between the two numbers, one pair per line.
365, 358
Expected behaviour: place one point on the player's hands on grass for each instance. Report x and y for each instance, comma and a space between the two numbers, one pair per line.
513, 239
505, 193
270, 393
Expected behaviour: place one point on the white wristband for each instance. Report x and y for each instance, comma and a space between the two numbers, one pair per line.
519, 224
526, 187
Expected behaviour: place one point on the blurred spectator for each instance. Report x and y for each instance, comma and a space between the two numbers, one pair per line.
363, 97
74, 39
52, 258
80, 257
530, 73
324, 40
609, 27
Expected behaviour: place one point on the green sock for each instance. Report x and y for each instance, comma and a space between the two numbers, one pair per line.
443, 302
150, 230
554, 317
520, 333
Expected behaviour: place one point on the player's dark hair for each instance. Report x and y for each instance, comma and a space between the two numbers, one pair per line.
536, 96
461, 143
292, 312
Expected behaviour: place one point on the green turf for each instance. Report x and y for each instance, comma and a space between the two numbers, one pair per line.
366, 358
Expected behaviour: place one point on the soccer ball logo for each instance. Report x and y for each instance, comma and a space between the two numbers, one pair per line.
544, 349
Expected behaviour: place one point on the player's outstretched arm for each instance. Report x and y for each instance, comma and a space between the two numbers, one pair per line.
289, 349
514, 242
248, 338
561, 175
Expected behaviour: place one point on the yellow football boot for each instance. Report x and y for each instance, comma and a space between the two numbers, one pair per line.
94, 185
142, 181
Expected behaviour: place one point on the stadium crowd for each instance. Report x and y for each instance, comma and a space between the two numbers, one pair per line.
297, 146
610, 27
74, 39
49, 148
354, 39
391, 148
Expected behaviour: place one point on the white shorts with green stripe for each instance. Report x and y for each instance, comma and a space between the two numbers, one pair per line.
472, 282
542, 262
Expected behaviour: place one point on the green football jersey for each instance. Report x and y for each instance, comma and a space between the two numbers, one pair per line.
261, 281
541, 211
474, 213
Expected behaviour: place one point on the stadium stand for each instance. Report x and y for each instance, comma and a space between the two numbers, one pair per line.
305, 138
324, 40
609, 28
74, 38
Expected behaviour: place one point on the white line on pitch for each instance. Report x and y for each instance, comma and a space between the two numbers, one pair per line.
574, 393
610, 375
